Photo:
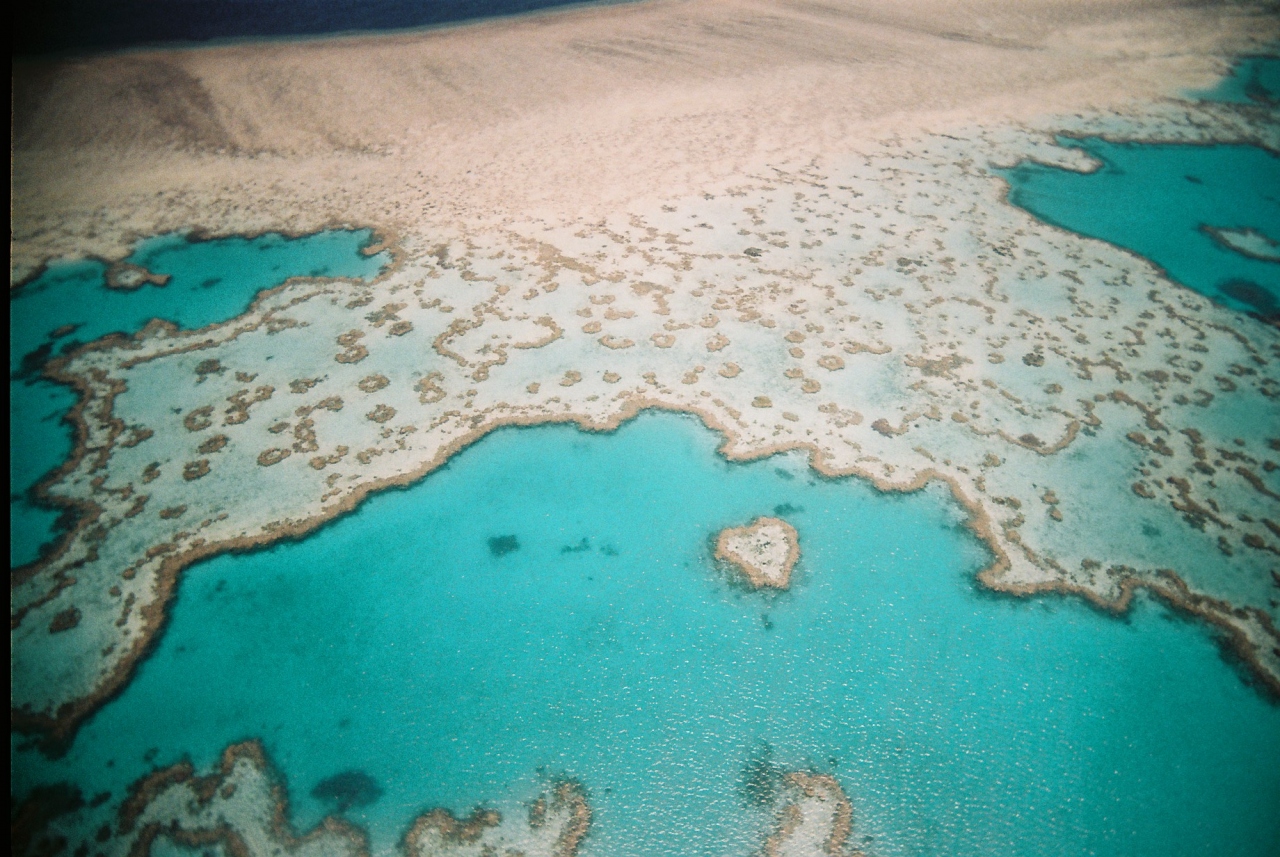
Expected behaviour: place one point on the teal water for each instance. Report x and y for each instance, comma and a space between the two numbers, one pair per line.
210, 282
1156, 199
1253, 80
595, 638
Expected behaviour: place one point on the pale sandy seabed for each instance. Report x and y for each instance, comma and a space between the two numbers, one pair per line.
778, 217
763, 553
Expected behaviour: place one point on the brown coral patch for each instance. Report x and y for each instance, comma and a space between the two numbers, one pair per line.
429, 389
302, 385
213, 444
199, 419
381, 414
128, 277
194, 470
831, 362
373, 383
269, 457
352, 350
65, 620
750, 566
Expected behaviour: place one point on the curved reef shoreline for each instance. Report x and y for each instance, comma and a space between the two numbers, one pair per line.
782, 251
764, 552
242, 807
881, 362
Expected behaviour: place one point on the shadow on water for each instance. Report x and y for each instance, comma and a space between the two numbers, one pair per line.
503, 545
1249, 292
347, 789
761, 778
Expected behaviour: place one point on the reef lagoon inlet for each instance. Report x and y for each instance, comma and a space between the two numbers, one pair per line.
696, 429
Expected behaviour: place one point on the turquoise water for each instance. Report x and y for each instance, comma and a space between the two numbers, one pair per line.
210, 282
38, 442
1253, 80
1156, 199
547, 605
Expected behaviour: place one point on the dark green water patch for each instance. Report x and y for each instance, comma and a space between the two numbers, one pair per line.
1253, 80
347, 790
503, 545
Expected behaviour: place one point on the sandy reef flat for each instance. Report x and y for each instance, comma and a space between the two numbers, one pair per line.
764, 552
241, 809
779, 217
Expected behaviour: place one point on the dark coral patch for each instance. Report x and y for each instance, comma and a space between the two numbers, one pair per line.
348, 789
503, 545
1263, 301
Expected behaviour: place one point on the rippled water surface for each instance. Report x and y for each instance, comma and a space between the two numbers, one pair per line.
547, 605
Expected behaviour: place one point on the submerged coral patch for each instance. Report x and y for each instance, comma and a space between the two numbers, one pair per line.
503, 545
347, 789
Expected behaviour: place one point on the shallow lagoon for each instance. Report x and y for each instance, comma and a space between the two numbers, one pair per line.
209, 282
1253, 80
1163, 201
608, 647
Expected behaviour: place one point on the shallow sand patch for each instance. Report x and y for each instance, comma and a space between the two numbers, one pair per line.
765, 551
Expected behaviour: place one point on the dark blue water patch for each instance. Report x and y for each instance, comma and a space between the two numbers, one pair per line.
347, 790
1253, 80
39, 441
394, 651
70, 304
80, 25
1175, 204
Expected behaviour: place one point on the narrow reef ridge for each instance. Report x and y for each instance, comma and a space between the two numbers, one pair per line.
764, 551
815, 819
242, 808
555, 827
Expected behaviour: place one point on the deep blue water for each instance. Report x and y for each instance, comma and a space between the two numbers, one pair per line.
210, 281
1158, 199
609, 647
78, 25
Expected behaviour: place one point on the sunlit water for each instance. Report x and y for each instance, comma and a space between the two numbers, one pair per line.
1162, 201
547, 606
609, 647
1172, 203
